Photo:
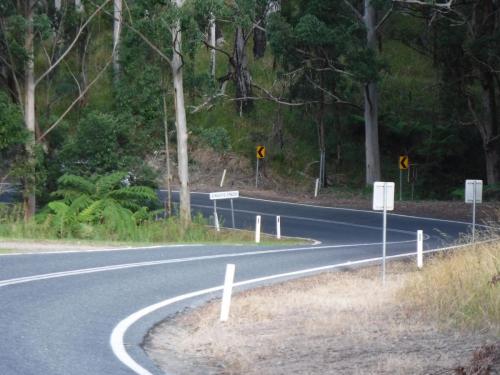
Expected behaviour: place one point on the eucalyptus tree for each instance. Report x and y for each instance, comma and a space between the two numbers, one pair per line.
322, 50
27, 29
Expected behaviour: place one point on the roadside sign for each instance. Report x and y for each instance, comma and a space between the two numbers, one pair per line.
383, 196
473, 194
383, 199
403, 162
224, 195
474, 191
261, 152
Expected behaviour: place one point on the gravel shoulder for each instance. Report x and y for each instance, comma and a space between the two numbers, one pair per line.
334, 323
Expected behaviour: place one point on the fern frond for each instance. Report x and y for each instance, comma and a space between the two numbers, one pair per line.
70, 182
92, 213
109, 182
80, 203
141, 195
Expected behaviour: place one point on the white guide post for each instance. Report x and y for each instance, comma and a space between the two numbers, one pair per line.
316, 188
223, 177
420, 249
257, 229
278, 227
226, 294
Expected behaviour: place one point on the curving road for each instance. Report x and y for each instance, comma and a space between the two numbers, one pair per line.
58, 310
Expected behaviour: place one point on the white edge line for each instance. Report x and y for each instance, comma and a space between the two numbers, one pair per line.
166, 246
54, 275
347, 209
118, 334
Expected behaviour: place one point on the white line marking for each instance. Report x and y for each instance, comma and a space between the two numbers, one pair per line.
117, 336
54, 275
105, 250
350, 209
371, 227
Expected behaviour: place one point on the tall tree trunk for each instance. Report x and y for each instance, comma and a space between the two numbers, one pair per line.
259, 43
168, 177
242, 76
489, 132
117, 26
29, 114
180, 122
212, 43
372, 150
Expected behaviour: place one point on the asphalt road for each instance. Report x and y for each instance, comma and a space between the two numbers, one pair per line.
56, 319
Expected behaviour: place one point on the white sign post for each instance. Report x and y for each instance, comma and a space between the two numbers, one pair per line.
226, 294
383, 200
223, 195
473, 194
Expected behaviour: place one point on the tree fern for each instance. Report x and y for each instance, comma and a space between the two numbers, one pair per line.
109, 182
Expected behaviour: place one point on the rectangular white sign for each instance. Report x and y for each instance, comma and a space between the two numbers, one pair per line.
379, 189
224, 195
469, 191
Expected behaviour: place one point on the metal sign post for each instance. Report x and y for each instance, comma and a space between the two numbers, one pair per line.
261, 154
223, 195
257, 173
403, 166
383, 200
473, 194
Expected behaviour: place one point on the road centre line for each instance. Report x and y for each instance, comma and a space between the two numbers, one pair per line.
371, 227
53, 275
117, 342
348, 209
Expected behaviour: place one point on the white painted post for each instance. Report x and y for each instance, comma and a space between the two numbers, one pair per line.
316, 188
226, 294
278, 227
223, 177
257, 229
420, 249
216, 218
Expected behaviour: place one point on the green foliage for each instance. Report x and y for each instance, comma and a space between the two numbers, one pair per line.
217, 138
12, 131
104, 201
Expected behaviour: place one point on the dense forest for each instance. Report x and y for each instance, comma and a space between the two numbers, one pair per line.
334, 88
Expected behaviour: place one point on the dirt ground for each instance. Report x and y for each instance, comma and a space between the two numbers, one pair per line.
334, 323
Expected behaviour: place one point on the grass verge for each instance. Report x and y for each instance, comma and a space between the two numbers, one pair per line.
347, 323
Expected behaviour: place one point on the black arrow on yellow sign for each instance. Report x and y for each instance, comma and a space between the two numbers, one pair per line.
261, 152
403, 162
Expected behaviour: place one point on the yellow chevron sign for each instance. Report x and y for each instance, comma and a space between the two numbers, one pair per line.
261, 152
403, 162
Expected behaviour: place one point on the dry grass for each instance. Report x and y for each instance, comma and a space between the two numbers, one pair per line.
334, 323
460, 288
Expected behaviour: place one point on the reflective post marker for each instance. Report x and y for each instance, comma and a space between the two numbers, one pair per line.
216, 219
232, 211
223, 177
278, 227
257, 229
420, 249
316, 188
226, 294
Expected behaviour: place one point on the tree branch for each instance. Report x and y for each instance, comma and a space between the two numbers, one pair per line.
358, 15
82, 94
70, 47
